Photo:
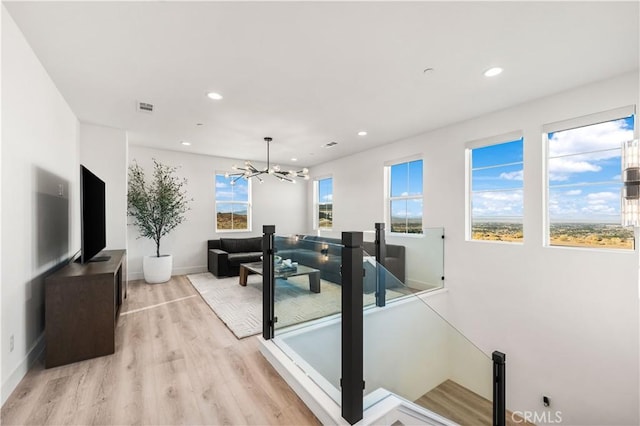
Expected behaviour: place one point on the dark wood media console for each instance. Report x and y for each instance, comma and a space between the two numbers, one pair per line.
82, 305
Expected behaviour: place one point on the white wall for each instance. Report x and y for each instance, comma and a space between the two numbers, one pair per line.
273, 202
40, 227
2, 335
398, 356
103, 150
567, 319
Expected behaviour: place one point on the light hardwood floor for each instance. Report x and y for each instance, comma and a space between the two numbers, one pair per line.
455, 402
175, 363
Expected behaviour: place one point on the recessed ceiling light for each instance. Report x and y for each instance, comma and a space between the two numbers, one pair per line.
294, 159
185, 143
362, 133
215, 96
492, 72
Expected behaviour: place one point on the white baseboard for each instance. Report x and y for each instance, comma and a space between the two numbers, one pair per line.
183, 270
21, 370
189, 270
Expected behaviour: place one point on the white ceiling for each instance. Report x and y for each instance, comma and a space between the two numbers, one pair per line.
308, 73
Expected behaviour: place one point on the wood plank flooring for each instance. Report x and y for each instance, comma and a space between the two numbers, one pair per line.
455, 402
175, 363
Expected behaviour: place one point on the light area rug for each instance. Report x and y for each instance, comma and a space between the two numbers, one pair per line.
240, 308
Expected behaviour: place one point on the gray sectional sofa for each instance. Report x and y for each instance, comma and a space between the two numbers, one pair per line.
226, 254
325, 254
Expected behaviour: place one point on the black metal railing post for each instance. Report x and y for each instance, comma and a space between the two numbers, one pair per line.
499, 389
268, 281
381, 255
352, 381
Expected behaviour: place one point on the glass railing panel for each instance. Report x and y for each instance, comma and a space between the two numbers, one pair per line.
308, 279
412, 351
308, 301
422, 255
379, 279
416, 260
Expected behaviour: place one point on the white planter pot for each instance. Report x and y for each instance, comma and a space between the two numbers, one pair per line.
157, 269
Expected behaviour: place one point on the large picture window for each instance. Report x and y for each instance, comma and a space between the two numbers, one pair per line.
405, 197
323, 189
583, 175
496, 173
233, 204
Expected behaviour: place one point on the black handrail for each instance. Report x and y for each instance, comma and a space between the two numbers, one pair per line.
499, 389
352, 381
381, 255
268, 282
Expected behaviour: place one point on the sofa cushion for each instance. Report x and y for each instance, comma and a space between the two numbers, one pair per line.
241, 245
238, 258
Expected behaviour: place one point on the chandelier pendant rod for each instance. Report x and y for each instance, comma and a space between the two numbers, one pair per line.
268, 139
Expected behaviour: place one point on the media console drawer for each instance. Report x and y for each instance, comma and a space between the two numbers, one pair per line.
82, 305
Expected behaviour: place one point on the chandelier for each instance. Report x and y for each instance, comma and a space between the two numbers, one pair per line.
249, 171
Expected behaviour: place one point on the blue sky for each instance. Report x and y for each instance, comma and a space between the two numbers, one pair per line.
406, 180
584, 175
325, 190
497, 181
584, 171
227, 192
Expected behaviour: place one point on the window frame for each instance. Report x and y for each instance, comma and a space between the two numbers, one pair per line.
316, 202
570, 124
483, 143
248, 204
388, 198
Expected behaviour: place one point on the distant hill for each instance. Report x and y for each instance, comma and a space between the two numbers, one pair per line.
404, 225
237, 220
594, 235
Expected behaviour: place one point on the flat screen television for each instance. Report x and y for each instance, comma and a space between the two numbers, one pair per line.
92, 217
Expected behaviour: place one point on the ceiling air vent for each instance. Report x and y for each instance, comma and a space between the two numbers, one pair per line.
144, 107
330, 144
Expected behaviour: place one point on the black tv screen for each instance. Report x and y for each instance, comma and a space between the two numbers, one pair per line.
92, 212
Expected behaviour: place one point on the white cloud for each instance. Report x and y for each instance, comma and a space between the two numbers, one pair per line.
601, 136
406, 213
221, 185
594, 202
599, 209
517, 175
561, 168
328, 197
501, 196
604, 196
497, 204
575, 205
224, 195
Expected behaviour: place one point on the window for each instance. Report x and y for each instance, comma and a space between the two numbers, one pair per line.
233, 204
404, 203
496, 197
323, 203
584, 184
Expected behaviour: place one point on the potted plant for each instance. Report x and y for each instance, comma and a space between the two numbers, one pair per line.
157, 207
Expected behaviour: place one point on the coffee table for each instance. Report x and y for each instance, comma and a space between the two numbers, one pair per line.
256, 267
